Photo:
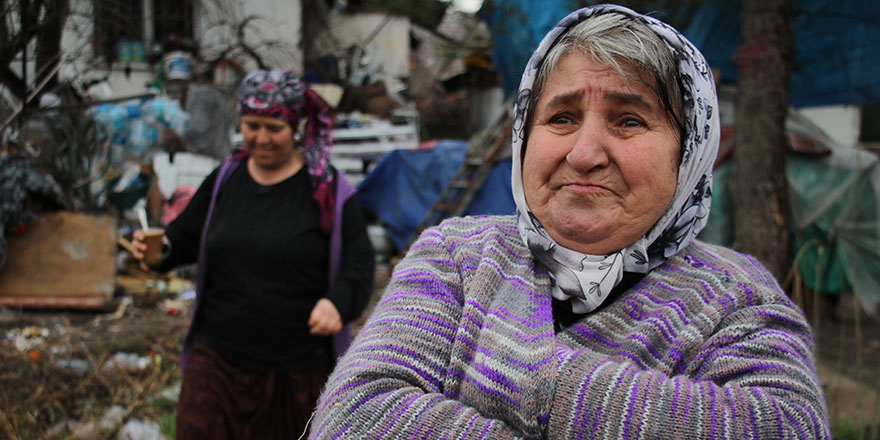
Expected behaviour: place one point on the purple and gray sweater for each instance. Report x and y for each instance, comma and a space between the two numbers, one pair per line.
462, 346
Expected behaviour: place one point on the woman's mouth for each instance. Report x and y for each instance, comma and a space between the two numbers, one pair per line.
265, 149
585, 188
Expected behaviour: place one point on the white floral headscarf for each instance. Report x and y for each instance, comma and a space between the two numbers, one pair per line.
586, 280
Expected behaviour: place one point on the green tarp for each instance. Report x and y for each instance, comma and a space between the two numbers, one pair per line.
835, 216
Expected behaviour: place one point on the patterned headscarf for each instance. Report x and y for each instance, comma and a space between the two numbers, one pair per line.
586, 280
280, 94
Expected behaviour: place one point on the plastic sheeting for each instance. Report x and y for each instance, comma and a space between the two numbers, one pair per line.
404, 184
837, 58
517, 27
213, 118
835, 199
835, 202
836, 55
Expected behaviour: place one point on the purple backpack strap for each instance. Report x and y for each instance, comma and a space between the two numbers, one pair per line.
223, 173
344, 190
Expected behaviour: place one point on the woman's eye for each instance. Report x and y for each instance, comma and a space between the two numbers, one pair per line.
561, 119
632, 123
253, 126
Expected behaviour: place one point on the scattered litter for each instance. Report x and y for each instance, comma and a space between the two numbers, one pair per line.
179, 285
126, 361
141, 430
27, 338
173, 307
187, 295
171, 393
82, 430
56, 429
123, 306
33, 332
78, 366
112, 418
7, 315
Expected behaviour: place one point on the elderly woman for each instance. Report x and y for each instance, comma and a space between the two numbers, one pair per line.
284, 260
594, 312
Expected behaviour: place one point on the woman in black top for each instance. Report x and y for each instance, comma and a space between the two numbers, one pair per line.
284, 260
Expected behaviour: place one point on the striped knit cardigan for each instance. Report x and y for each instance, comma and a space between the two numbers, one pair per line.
462, 346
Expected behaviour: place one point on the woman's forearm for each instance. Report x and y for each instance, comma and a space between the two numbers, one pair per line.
390, 384
752, 380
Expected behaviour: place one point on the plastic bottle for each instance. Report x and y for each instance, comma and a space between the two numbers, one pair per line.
142, 137
76, 365
178, 120
114, 120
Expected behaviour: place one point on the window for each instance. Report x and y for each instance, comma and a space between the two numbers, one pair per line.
117, 23
126, 29
172, 22
870, 126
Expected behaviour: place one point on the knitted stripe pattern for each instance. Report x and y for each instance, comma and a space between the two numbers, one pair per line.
462, 346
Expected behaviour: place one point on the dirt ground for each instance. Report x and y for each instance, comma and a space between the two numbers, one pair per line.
62, 387
848, 354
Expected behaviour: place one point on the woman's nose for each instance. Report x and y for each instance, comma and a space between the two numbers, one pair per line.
590, 149
262, 136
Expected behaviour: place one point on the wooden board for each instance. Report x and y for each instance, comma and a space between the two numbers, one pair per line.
63, 259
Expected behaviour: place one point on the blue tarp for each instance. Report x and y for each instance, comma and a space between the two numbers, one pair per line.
517, 27
837, 57
836, 50
404, 184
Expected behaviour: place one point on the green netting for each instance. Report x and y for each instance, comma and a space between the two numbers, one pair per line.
818, 262
719, 228
835, 217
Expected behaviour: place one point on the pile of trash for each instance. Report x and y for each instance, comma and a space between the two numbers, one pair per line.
138, 126
86, 376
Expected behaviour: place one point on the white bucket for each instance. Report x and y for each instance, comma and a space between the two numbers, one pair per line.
177, 66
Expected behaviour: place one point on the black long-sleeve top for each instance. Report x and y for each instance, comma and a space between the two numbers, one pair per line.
267, 266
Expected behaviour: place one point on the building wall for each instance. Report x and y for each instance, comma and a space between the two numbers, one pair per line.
839, 122
273, 31
389, 48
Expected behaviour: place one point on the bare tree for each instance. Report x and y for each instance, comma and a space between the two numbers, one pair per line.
314, 22
232, 33
23, 23
761, 196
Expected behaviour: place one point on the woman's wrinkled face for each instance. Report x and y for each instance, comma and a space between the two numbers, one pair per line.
601, 159
268, 141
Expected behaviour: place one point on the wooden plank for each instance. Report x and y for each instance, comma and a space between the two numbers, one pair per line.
63, 259
345, 134
54, 303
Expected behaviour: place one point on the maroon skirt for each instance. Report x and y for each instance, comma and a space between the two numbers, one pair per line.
220, 401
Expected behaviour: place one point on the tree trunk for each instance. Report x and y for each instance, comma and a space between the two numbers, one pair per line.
36, 19
760, 195
49, 39
314, 22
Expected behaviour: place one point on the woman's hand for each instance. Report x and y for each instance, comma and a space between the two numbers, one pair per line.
139, 249
140, 246
325, 319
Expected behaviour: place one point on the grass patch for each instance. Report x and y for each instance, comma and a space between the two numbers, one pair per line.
164, 404
168, 423
844, 430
